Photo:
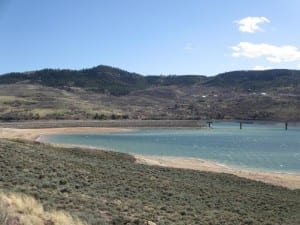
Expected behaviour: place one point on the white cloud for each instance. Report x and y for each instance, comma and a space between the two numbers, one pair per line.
250, 24
262, 68
272, 53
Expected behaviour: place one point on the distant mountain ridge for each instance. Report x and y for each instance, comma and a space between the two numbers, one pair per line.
257, 79
103, 79
106, 79
105, 92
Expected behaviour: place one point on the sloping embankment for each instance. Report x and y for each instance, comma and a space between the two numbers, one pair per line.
103, 123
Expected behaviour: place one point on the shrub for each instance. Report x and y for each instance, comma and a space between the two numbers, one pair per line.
23, 209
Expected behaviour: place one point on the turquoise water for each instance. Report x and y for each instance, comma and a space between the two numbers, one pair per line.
263, 147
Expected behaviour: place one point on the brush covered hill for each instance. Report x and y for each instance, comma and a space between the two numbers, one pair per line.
257, 80
106, 188
100, 79
105, 92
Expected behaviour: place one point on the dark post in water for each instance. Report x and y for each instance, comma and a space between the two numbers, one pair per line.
241, 125
286, 125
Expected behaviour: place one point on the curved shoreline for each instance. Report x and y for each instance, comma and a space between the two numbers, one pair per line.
288, 180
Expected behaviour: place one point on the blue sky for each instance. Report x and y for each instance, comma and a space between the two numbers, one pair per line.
150, 36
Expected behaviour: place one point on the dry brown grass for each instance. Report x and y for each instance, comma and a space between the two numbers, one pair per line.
20, 209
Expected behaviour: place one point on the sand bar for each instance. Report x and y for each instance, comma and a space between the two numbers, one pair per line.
291, 181
33, 134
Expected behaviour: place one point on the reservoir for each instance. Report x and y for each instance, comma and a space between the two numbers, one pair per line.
256, 146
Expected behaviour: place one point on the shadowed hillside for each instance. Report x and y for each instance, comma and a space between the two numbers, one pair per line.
257, 80
101, 79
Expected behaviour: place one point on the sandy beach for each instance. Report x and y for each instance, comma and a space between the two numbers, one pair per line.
33, 134
291, 181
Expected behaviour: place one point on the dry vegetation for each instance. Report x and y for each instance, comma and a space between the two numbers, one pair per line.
35, 102
110, 188
105, 92
20, 209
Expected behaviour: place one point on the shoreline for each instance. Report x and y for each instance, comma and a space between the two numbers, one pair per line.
34, 134
288, 180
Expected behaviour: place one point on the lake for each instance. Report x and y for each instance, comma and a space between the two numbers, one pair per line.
256, 146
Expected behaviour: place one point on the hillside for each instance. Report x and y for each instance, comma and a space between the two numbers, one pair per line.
109, 93
257, 80
110, 188
100, 79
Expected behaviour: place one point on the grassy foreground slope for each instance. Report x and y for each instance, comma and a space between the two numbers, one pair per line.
110, 188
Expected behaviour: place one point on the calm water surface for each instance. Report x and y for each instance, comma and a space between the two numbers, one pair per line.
263, 147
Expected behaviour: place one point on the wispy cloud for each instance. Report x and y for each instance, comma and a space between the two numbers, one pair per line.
272, 53
262, 68
251, 24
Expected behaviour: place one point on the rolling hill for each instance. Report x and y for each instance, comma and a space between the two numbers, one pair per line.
105, 92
